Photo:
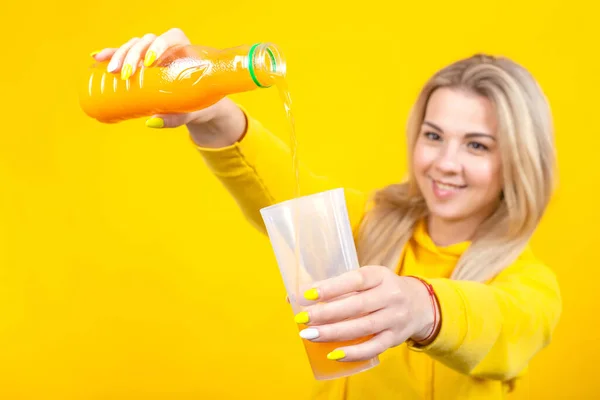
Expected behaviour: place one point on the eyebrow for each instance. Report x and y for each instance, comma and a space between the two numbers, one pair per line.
469, 134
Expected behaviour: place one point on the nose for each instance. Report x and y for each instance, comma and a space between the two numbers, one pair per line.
448, 160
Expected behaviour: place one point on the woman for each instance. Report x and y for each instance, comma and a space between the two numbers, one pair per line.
481, 164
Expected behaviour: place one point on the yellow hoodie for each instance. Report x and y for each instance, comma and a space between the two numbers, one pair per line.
488, 333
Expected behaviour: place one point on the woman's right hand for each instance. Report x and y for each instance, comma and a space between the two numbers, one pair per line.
219, 125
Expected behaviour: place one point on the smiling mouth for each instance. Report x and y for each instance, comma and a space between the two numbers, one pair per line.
447, 185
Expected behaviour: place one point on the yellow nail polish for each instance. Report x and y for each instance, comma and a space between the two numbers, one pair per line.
155, 122
150, 58
93, 53
311, 294
126, 72
336, 355
302, 317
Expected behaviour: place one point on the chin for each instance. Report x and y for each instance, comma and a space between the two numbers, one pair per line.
448, 214
448, 211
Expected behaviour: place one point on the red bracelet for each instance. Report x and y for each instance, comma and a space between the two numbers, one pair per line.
433, 305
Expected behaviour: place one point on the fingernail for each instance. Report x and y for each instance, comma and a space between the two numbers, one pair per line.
309, 333
336, 355
126, 72
93, 53
302, 317
150, 58
155, 122
311, 294
112, 65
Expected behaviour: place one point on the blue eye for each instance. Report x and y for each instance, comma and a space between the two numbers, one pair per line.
478, 146
432, 136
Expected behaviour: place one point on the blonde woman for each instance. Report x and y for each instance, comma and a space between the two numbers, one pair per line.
455, 299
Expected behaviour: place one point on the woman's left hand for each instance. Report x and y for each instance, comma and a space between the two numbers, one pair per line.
372, 300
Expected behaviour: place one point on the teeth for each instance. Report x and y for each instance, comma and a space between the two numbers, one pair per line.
446, 187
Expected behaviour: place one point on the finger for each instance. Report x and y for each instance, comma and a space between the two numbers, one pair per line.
169, 120
366, 350
354, 281
116, 60
171, 38
104, 54
352, 306
350, 329
135, 53
304, 302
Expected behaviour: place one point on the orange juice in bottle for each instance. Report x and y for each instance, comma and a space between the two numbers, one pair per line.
183, 79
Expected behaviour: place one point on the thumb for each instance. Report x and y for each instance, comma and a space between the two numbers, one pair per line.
168, 120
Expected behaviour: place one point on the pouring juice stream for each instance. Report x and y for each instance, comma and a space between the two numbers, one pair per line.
316, 351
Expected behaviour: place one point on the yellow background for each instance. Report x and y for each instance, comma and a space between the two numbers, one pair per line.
126, 271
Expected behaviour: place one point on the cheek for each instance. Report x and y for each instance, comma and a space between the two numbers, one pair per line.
485, 174
423, 158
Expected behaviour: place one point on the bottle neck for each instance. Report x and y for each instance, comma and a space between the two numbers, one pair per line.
265, 64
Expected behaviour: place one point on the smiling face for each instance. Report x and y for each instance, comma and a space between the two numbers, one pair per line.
456, 159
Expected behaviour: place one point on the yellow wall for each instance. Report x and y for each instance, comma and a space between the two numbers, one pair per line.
126, 272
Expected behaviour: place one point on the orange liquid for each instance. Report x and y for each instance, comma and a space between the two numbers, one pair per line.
323, 368
185, 79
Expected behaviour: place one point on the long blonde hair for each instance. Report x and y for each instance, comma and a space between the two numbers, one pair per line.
525, 136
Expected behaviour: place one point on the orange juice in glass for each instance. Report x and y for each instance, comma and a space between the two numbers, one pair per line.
312, 240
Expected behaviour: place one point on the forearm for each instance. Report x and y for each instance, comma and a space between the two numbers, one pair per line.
492, 331
256, 167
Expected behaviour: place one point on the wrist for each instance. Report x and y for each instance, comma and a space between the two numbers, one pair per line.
221, 126
431, 311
